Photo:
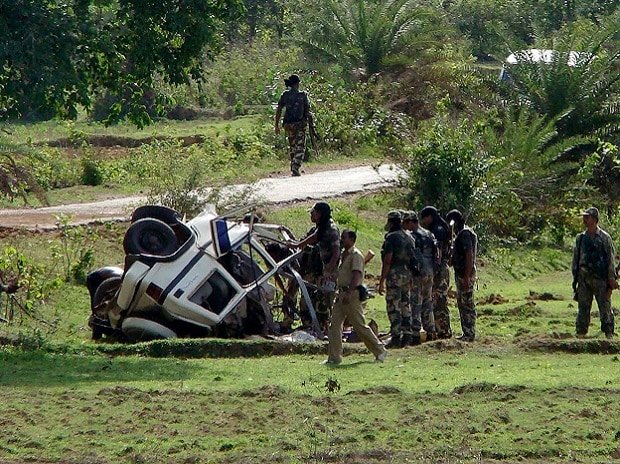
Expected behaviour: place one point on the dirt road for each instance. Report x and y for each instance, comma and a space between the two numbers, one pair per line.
317, 185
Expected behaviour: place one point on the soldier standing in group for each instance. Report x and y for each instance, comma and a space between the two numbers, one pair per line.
464, 263
594, 274
431, 220
422, 283
325, 235
348, 304
296, 117
395, 279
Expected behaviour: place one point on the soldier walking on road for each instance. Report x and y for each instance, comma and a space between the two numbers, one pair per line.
296, 115
464, 250
422, 284
348, 304
395, 279
431, 220
594, 274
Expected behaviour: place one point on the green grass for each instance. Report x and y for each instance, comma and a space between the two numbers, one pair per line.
48, 131
134, 409
518, 394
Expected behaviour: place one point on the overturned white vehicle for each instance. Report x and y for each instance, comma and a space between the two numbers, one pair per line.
210, 276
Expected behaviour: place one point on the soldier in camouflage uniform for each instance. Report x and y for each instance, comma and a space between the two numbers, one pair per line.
395, 279
594, 274
464, 250
422, 283
431, 220
326, 237
296, 118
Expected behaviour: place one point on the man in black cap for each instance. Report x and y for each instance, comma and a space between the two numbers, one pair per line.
326, 237
395, 279
594, 274
464, 262
431, 220
297, 105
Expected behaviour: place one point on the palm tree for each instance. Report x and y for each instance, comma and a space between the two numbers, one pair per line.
578, 84
364, 33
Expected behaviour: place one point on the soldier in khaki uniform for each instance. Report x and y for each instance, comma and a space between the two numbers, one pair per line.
594, 274
348, 305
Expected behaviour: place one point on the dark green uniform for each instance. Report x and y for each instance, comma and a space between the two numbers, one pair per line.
466, 240
593, 267
297, 109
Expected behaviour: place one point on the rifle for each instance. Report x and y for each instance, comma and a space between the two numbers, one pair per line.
576, 269
315, 138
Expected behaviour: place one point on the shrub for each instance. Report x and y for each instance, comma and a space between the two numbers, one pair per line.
444, 165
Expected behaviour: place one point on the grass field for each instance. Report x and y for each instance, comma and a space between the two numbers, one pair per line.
525, 391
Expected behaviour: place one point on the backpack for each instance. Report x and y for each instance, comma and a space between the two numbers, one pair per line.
415, 256
295, 107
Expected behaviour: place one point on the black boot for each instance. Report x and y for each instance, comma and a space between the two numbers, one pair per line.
415, 340
394, 342
406, 340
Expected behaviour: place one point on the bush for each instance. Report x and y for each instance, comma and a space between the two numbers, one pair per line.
444, 166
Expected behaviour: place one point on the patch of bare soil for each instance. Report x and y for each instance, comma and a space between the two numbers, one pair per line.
485, 387
529, 309
545, 296
569, 345
493, 299
380, 390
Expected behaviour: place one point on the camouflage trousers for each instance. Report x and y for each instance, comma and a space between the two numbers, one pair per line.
323, 303
422, 304
589, 286
296, 145
441, 313
466, 305
397, 302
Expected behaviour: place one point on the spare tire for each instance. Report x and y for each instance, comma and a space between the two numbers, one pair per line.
150, 237
140, 329
163, 213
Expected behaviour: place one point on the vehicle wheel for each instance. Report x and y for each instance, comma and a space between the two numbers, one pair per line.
105, 290
163, 213
139, 329
151, 237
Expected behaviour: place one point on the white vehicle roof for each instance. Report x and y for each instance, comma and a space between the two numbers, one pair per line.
536, 55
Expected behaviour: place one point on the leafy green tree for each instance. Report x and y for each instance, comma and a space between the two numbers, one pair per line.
56, 54
368, 34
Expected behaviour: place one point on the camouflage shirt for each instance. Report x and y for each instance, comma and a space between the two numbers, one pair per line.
594, 254
397, 243
425, 241
329, 237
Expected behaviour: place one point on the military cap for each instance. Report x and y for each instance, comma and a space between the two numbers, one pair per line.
591, 211
394, 215
410, 216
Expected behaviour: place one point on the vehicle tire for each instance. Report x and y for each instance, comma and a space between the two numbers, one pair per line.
105, 290
150, 237
140, 329
163, 213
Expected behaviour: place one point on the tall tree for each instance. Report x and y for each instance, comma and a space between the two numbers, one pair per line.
56, 53
363, 33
